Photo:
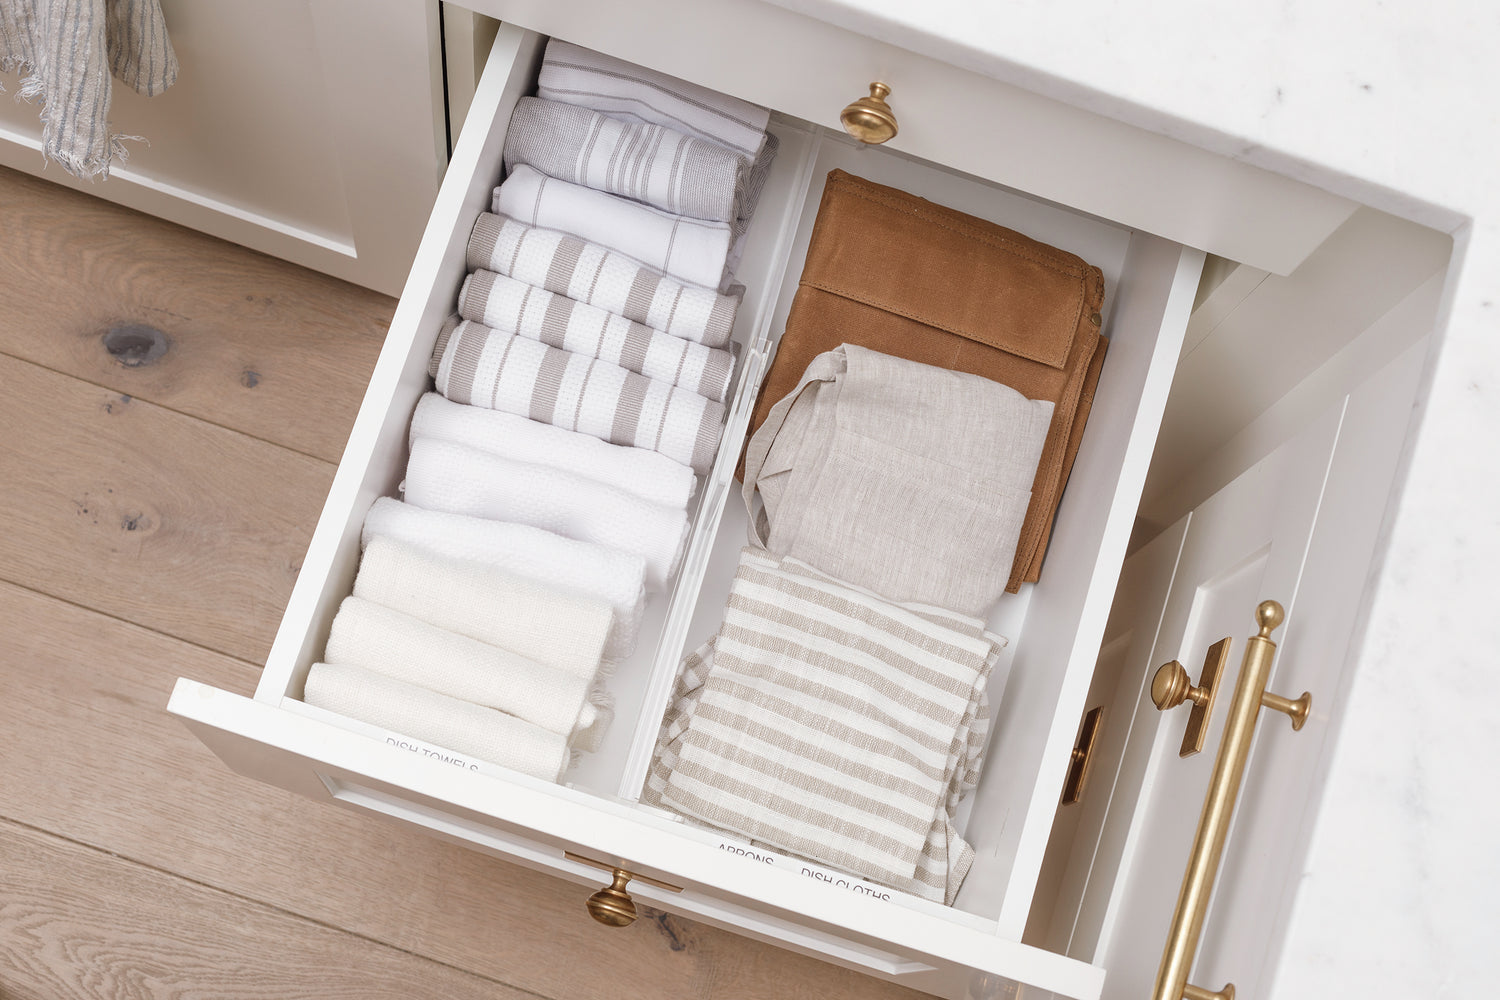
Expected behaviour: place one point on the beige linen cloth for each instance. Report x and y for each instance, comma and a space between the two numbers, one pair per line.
827, 722
906, 479
69, 48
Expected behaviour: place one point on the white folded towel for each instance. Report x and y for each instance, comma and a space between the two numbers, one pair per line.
557, 629
426, 715
444, 476
691, 249
602, 277
593, 571
655, 164
512, 306
648, 474
501, 371
404, 648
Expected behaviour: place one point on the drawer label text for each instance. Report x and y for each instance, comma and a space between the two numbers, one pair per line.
434, 754
817, 874
747, 853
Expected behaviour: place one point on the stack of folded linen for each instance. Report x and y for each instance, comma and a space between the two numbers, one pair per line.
465, 654
596, 296
841, 711
909, 448
580, 386
828, 722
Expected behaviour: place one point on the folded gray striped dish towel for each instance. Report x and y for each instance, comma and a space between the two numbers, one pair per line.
512, 306
692, 250
70, 48
660, 166
588, 272
575, 75
827, 722
483, 367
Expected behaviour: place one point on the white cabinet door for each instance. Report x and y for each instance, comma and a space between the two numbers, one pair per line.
1300, 527
312, 130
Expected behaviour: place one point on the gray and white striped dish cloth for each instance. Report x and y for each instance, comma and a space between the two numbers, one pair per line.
512, 306
588, 272
70, 48
502, 371
660, 166
692, 250
575, 75
830, 723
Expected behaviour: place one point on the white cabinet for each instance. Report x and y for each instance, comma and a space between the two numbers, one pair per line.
285, 132
1054, 185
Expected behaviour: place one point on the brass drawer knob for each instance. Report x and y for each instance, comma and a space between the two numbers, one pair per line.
870, 119
612, 905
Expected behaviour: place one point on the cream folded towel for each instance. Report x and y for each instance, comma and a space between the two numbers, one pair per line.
414, 711
501, 371
364, 634
449, 477
601, 277
693, 250
649, 475
660, 166
556, 629
512, 306
591, 571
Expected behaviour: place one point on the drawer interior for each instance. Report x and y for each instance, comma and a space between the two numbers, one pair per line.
1053, 627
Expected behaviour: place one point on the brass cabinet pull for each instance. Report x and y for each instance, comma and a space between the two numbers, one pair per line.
612, 905
1083, 755
1218, 807
870, 119
1171, 687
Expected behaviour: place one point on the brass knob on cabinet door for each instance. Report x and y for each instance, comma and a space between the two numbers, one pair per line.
870, 119
612, 905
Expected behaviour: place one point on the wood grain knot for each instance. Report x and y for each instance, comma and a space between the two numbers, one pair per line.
135, 344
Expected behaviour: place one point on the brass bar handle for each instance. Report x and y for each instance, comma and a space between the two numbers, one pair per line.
1191, 992
1218, 808
612, 905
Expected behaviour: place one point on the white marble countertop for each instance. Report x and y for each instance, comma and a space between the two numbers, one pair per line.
1392, 104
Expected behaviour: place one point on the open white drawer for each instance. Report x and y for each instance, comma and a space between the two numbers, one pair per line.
1055, 626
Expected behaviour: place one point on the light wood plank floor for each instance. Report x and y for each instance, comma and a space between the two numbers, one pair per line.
160, 493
